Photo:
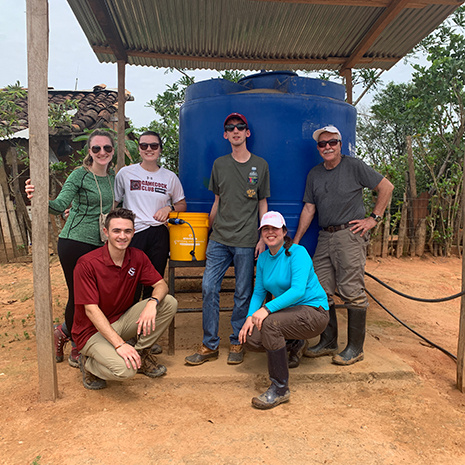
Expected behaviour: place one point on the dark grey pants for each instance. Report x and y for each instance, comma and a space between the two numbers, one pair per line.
300, 322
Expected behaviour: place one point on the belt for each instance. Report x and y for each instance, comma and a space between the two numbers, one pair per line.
339, 227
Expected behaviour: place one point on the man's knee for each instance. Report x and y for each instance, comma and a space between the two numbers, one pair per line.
170, 304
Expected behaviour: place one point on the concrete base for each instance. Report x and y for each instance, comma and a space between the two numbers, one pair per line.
379, 362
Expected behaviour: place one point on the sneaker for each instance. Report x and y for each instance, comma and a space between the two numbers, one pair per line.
201, 356
89, 380
236, 354
61, 339
149, 365
73, 358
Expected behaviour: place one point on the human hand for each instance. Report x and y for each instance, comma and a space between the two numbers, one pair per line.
146, 321
162, 214
363, 225
260, 247
246, 330
258, 317
29, 189
130, 355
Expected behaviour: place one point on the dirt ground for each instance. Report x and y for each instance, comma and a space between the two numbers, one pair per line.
166, 421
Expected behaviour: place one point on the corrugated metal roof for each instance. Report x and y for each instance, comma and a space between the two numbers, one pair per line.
257, 34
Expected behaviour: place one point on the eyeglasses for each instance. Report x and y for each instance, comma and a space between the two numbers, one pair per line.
239, 126
331, 142
145, 146
96, 148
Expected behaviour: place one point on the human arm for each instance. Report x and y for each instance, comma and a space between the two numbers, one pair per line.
103, 326
213, 211
262, 209
384, 190
289, 278
146, 321
163, 213
306, 218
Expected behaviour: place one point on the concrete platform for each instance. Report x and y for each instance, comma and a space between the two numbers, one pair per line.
379, 362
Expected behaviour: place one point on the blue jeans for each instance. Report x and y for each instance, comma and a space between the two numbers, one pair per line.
219, 258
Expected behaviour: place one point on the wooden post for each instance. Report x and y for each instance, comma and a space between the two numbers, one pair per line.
121, 114
37, 60
402, 229
347, 73
461, 342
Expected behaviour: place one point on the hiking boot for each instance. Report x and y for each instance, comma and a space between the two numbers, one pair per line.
201, 356
156, 349
149, 365
236, 354
73, 358
89, 380
61, 339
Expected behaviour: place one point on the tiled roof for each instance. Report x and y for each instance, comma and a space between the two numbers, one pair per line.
96, 108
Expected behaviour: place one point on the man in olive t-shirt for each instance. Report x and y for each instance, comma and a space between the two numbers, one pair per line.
241, 184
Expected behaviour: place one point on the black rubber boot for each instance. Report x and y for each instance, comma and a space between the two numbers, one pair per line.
328, 338
296, 348
356, 329
278, 392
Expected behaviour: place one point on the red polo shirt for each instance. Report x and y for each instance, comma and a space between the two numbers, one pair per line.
97, 280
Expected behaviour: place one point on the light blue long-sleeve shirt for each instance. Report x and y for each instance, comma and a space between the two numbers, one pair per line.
291, 280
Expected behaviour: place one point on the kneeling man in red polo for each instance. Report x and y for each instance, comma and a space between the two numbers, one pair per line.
105, 282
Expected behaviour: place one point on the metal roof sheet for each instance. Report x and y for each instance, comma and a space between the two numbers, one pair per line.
258, 34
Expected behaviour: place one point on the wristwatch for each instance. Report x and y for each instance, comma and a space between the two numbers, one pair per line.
172, 207
376, 217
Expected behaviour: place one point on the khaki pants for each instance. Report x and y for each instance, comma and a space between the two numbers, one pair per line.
299, 322
339, 262
103, 360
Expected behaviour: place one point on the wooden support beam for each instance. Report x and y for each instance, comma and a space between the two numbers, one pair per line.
121, 113
461, 341
37, 61
349, 87
395, 7
369, 3
330, 61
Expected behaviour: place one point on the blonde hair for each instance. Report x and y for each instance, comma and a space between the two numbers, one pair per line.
88, 159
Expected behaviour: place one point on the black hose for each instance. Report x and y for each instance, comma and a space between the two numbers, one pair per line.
418, 299
452, 356
180, 221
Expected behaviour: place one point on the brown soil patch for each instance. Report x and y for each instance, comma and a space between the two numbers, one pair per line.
146, 421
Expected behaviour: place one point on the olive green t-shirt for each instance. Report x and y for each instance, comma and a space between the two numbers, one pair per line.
239, 186
80, 190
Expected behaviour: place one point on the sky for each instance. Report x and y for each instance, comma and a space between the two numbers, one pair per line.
73, 63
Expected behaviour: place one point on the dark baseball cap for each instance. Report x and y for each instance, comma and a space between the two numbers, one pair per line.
238, 116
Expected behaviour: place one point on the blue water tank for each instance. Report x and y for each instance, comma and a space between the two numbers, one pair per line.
283, 111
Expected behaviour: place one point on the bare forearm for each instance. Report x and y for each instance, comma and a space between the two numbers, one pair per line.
306, 218
101, 323
384, 190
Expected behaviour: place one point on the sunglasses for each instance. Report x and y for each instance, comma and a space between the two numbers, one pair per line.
96, 148
331, 142
239, 126
145, 146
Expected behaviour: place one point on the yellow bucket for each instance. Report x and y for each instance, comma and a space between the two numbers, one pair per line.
182, 236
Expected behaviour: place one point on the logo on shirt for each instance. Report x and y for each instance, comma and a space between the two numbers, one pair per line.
149, 186
251, 193
132, 271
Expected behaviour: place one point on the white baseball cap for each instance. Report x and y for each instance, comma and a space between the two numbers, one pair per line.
332, 129
274, 219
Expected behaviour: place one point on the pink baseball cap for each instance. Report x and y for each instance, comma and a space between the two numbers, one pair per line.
274, 219
238, 116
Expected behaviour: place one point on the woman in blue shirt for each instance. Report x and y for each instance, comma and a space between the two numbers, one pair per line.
298, 310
